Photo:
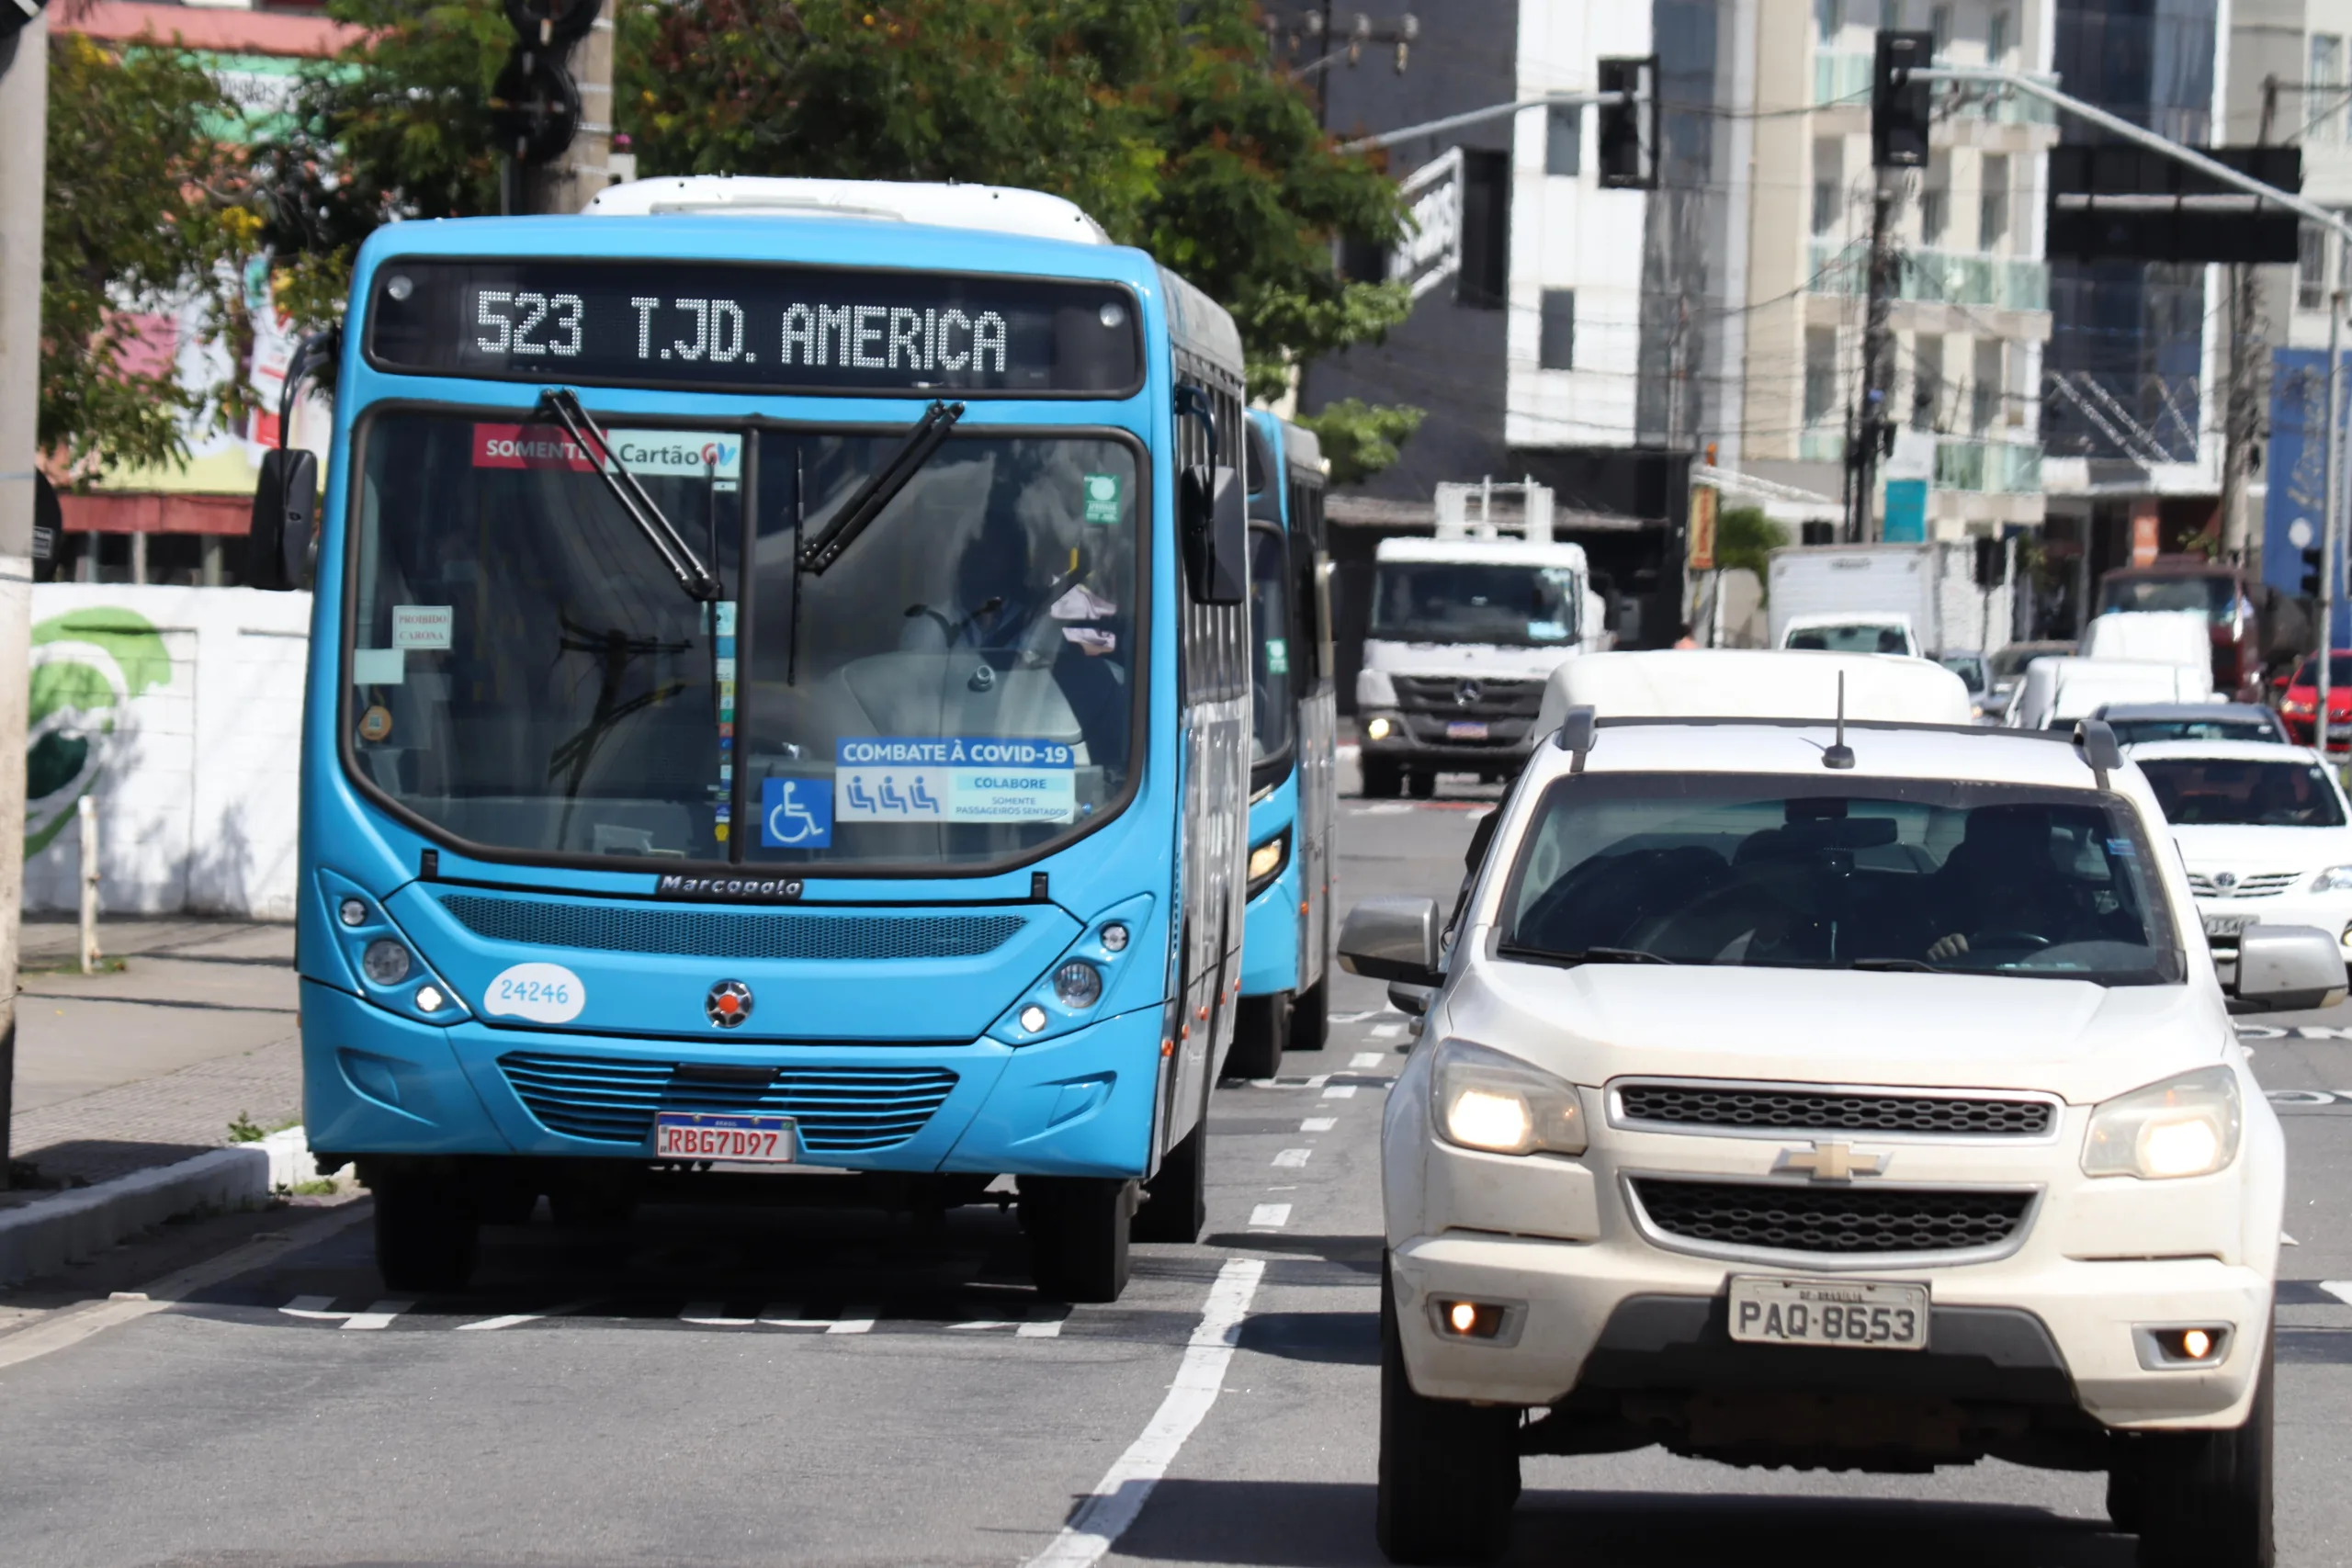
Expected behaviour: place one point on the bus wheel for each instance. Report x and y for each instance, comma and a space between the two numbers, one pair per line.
1261, 1029
1381, 779
1424, 786
427, 1230
1176, 1201
1078, 1234
1310, 1017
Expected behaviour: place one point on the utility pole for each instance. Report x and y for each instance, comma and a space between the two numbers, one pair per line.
24, 131
581, 170
2242, 404
2331, 533
1875, 428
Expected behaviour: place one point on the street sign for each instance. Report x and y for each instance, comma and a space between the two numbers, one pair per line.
1432, 250
2117, 202
1704, 502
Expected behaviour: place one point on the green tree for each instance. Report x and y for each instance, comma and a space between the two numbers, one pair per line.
145, 208
1359, 439
1745, 538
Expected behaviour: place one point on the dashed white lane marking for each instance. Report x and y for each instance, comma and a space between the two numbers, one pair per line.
1340, 1091
516, 1319
1041, 1328
310, 1306
1271, 1217
2340, 1288
1382, 1031
712, 1314
1120, 1495
786, 1314
1291, 1159
1368, 1059
984, 1323
856, 1320
1317, 1080
1319, 1123
1360, 1016
380, 1315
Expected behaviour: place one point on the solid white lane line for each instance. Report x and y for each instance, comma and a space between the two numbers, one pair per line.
984, 1323
1360, 1016
515, 1319
1291, 1159
1368, 1059
854, 1319
786, 1314
1272, 1216
380, 1315
1120, 1495
311, 1306
1042, 1327
1319, 1123
2340, 1288
712, 1314
1340, 1091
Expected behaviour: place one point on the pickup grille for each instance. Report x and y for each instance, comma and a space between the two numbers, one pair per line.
2260, 887
1469, 697
1817, 1110
839, 1109
1846, 1221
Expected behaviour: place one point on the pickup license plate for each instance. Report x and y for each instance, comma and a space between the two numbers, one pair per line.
1854, 1314
2229, 925
1465, 729
737, 1140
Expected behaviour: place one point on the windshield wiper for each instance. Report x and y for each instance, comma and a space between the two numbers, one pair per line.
677, 554
1587, 955
880, 489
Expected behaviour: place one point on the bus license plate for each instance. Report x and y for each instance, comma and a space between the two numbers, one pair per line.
1465, 729
1847, 1314
2229, 925
742, 1140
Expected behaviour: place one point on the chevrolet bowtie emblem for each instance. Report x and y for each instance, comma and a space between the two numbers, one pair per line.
1830, 1162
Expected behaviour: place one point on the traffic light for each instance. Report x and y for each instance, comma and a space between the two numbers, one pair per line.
534, 104
1899, 108
1629, 126
2313, 568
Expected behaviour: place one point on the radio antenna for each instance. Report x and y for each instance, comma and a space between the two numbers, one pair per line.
1840, 755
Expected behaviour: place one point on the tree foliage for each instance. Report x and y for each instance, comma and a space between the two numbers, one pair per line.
1359, 439
1745, 538
144, 209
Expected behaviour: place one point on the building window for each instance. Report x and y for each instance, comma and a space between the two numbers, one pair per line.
1993, 202
1940, 27
1829, 16
1984, 393
2311, 268
1935, 200
1890, 15
1558, 350
1927, 379
2323, 98
1485, 279
1820, 374
1996, 38
1564, 141
1828, 184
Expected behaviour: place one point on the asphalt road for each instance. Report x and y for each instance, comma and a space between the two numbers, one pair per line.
716, 1387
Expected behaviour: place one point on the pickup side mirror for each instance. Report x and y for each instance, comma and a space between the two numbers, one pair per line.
1215, 519
2287, 969
1392, 937
286, 521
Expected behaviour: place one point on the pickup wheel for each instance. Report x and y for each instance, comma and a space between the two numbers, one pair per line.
1261, 1031
2204, 1497
1382, 779
428, 1231
1449, 1471
1310, 1017
1078, 1234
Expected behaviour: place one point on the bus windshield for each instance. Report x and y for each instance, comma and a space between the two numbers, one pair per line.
957, 689
1486, 601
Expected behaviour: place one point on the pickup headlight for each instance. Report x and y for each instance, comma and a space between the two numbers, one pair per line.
2334, 879
1488, 1100
2183, 1126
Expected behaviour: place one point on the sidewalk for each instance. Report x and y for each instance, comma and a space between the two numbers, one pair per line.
147, 1065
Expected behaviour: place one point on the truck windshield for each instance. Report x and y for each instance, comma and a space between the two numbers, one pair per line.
1484, 602
1783, 872
2205, 792
526, 676
2213, 597
1857, 636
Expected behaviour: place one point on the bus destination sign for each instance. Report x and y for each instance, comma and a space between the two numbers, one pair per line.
736, 328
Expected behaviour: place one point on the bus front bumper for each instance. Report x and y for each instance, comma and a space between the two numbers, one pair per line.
374, 1083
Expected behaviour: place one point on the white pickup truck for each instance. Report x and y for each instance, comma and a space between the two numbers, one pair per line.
1464, 634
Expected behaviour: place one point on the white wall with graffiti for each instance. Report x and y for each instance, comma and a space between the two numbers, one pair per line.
180, 710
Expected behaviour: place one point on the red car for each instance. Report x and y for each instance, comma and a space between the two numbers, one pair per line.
2300, 704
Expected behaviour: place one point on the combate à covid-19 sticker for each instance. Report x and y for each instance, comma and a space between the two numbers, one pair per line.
954, 778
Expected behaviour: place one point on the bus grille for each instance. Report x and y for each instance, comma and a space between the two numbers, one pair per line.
1789, 1218
839, 1109
731, 933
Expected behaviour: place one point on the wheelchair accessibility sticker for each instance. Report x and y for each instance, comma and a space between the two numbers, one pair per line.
795, 814
985, 779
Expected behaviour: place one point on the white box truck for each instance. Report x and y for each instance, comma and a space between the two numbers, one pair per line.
1869, 598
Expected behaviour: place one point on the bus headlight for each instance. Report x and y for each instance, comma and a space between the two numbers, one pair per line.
2184, 1126
1078, 984
386, 961
1267, 860
1488, 1100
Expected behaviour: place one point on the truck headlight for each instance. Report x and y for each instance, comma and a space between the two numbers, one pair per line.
2183, 1126
1378, 728
2334, 879
1488, 1100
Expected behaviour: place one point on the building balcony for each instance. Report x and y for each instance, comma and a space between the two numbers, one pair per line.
1997, 468
1945, 278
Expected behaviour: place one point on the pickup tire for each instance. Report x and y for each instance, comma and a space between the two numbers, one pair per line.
1449, 1471
2204, 1498
1078, 1234
428, 1230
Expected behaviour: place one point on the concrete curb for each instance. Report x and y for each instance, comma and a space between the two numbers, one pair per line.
44, 1235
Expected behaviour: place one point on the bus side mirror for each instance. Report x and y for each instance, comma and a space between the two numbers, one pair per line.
1215, 519
286, 521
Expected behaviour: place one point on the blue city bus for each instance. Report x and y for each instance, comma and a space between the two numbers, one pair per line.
1294, 770
781, 697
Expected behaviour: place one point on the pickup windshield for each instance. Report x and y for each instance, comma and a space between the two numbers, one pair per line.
1497, 603
1799, 873
526, 676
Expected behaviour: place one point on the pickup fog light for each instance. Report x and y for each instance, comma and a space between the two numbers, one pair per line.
1378, 729
1079, 984
2334, 879
386, 961
2184, 1126
1488, 1100
1469, 1320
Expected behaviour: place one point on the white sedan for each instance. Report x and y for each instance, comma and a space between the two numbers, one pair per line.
2265, 831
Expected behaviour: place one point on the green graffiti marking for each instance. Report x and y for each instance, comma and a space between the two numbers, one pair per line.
76, 702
